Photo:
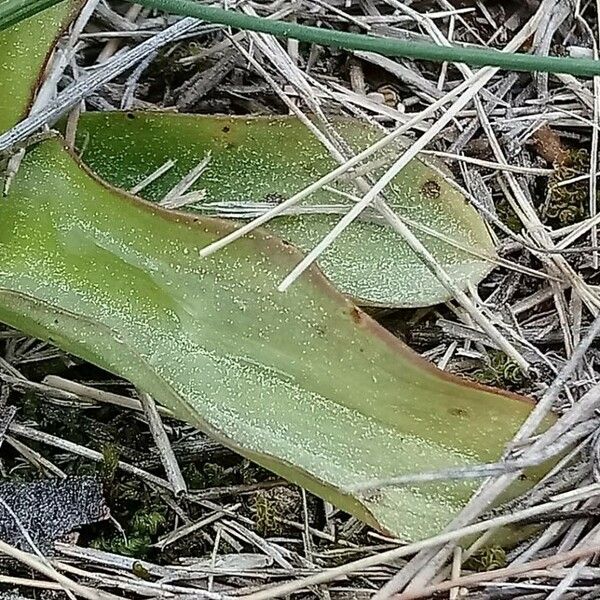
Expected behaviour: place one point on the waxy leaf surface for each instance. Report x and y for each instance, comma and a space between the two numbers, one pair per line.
24, 49
258, 159
303, 382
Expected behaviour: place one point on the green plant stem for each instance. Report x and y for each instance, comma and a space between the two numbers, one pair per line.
476, 56
15, 11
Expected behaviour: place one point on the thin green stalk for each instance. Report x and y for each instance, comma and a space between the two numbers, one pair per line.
475, 56
15, 11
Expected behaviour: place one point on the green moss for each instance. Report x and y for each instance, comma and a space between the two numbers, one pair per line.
144, 525
487, 559
269, 507
568, 204
167, 63
140, 571
108, 467
136, 546
508, 216
147, 523
265, 515
501, 372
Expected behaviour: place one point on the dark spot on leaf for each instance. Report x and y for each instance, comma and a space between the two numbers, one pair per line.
459, 412
374, 496
431, 189
226, 129
130, 115
356, 314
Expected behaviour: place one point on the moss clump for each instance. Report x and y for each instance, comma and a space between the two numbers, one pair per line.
109, 464
501, 372
143, 526
508, 216
269, 507
213, 475
567, 204
487, 559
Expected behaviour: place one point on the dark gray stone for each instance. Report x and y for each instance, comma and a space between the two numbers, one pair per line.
49, 509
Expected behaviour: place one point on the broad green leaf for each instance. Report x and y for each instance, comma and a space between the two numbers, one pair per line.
13, 12
262, 159
303, 382
24, 49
